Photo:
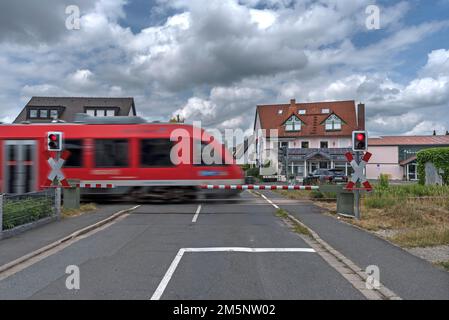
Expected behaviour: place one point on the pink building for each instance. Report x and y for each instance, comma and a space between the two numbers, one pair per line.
396, 155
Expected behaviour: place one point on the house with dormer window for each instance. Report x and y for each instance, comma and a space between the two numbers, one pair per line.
298, 138
49, 109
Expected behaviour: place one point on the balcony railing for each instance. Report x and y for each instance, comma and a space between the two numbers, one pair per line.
335, 154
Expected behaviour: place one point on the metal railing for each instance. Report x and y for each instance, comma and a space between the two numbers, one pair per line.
21, 209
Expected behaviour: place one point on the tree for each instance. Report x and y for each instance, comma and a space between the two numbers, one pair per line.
176, 119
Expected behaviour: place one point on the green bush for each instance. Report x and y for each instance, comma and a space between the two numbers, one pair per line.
384, 181
253, 172
439, 157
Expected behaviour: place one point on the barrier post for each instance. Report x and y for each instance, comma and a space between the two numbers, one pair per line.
58, 201
72, 198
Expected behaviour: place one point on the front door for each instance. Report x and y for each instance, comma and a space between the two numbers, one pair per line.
20, 165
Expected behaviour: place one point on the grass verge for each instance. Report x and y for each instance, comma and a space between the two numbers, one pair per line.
84, 208
298, 228
444, 265
412, 215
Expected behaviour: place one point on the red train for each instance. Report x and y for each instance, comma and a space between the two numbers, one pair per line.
129, 154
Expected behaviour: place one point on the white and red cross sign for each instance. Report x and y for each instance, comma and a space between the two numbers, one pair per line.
358, 174
56, 169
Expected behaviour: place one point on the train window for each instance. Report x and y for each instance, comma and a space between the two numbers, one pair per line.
206, 156
111, 153
75, 160
155, 153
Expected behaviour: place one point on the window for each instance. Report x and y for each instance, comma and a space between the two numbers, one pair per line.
155, 153
333, 123
324, 144
280, 111
43, 113
325, 111
75, 160
293, 124
302, 111
100, 112
207, 155
283, 144
305, 145
54, 114
33, 113
111, 153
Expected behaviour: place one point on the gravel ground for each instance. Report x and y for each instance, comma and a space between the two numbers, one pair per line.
432, 254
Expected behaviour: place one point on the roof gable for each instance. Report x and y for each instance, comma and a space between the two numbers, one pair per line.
313, 119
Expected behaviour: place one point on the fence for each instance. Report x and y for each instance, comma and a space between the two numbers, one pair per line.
25, 211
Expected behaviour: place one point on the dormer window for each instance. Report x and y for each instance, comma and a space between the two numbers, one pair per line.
301, 111
293, 124
43, 113
333, 123
101, 111
280, 111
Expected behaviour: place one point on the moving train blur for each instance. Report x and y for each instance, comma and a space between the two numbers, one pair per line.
117, 157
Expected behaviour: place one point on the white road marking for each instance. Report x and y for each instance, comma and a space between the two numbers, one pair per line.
251, 250
269, 201
171, 270
195, 217
164, 282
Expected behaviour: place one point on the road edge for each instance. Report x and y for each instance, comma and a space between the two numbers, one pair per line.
316, 243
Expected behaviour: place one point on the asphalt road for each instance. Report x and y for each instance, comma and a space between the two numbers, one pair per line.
138, 257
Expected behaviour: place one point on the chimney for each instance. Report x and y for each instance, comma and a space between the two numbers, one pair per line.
434, 132
447, 132
361, 116
293, 102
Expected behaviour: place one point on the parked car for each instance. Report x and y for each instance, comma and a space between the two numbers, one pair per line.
250, 180
321, 176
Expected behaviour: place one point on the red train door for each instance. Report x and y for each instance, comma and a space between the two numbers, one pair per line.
19, 166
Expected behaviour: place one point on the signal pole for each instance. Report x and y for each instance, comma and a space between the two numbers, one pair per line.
357, 191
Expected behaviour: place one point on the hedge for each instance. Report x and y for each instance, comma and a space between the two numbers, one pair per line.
440, 159
19, 212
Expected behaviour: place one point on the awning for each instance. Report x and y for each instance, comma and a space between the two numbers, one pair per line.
407, 161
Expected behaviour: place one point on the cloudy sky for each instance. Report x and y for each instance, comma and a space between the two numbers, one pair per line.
215, 60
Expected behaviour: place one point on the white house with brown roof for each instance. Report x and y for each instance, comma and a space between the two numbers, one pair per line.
396, 155
309, 135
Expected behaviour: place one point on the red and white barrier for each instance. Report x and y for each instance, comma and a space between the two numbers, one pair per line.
257, 187
95, 185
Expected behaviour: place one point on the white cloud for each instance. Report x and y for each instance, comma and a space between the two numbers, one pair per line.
215, 60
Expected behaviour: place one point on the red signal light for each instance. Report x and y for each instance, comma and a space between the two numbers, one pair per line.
53, 137
360, 137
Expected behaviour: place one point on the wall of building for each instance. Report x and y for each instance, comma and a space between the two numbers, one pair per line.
385, 159
314, 142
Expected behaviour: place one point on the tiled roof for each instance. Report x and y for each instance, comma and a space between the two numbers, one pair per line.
72, 105
274, 117
408, 140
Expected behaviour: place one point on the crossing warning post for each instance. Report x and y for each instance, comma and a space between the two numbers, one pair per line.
358, 181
